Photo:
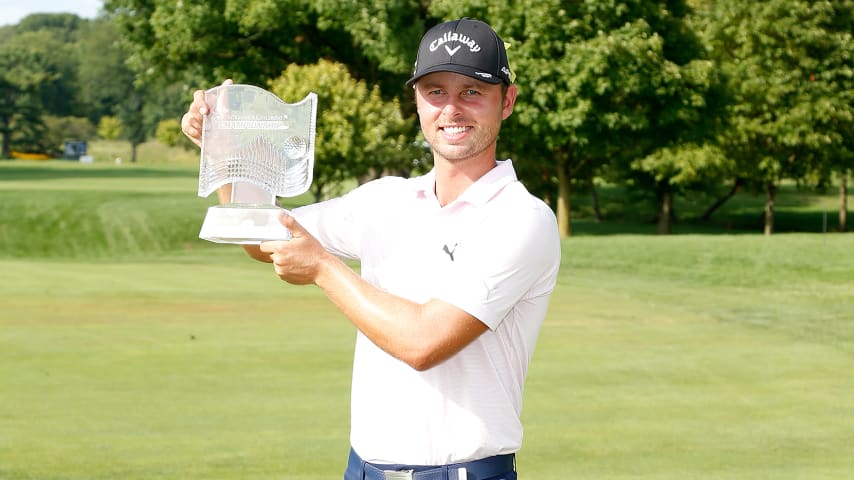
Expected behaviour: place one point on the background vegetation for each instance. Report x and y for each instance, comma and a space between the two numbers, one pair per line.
667, 99
131, 349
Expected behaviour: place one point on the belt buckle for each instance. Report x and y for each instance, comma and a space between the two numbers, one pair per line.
398, 474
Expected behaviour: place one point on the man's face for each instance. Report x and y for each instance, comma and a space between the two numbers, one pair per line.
461, 116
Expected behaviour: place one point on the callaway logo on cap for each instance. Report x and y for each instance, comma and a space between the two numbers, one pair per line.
466, 46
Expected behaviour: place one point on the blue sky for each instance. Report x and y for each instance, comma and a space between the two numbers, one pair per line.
12, 11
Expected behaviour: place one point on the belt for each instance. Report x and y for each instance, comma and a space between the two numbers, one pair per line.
476, 470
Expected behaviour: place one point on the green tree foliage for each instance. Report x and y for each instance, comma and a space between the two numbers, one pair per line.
601, 83
60, 129
169, 133
64, 25
358, 134
30, 63
109, 128
57, 33
45, 60
253, 41
383, 38
110, 88
684, 166
789, 66
104, 79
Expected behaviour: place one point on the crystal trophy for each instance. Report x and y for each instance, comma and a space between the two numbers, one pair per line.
258, 148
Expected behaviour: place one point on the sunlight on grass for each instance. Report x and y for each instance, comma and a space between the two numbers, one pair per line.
148, 153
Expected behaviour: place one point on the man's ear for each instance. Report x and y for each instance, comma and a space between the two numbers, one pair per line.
509, 101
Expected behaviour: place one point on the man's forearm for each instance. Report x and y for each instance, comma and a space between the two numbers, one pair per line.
420, 335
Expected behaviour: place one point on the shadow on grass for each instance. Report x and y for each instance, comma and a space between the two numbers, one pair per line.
622, 212
796, 210
54, 170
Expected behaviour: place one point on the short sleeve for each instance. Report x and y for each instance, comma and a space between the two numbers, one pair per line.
512, 254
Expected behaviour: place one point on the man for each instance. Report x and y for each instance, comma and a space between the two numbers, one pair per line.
457, 268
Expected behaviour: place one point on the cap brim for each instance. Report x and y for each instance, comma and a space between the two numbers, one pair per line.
461, 69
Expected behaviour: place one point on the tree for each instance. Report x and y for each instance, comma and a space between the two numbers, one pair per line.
254, 41
788, 63
843, 201
59, 32
685, 166
382, 36
251, 41
109, 128
64, 25
169, 133
104, 79
358, 134
29, 65
45, 59
60, 129
110, 88
601, 83
134, 128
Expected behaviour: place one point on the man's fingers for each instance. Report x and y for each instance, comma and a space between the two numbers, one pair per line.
191, 132
269, 247
222, 96
192, 122
291, 224
199, 99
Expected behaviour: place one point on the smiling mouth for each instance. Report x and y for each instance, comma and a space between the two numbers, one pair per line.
455, 130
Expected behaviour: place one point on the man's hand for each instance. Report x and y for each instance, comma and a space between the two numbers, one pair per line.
301, 259
191, 122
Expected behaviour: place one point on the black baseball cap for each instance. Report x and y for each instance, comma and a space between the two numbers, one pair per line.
466, 46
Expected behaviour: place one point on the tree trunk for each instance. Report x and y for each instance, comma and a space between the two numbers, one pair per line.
719, 203
843, 201
665, 210
594, 197
133, 149
770, 194
317, 190
563, 203
5, 133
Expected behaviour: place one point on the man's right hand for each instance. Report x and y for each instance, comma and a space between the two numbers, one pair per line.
191, 122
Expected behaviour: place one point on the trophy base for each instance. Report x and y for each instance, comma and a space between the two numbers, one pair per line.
243, 224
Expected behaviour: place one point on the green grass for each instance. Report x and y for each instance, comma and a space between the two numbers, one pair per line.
148, 153
130, 349
697, 357
186, 368
72, 210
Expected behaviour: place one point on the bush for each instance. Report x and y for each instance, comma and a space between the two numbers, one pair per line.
169, 133
109, 128
60, 129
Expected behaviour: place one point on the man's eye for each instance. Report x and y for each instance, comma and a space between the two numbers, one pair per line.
471, 92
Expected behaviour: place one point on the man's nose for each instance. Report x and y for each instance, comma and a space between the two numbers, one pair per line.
452, 108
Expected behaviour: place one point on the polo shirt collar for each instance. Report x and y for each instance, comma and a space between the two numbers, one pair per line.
480, 192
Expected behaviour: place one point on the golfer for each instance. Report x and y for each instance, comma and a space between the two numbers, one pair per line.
457, 267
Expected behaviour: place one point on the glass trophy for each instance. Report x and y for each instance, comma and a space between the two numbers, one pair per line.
257, 148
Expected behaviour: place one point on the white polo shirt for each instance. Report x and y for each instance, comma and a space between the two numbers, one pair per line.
494, 252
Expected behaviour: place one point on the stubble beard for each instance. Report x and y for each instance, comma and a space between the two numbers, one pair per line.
459, 152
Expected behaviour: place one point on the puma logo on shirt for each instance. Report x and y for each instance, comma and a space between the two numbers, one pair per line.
449, 251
